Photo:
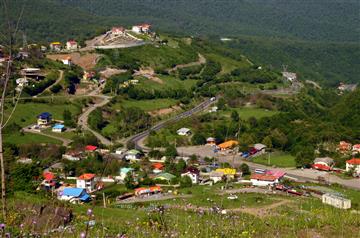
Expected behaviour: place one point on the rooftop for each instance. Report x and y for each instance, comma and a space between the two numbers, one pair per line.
353, 161
86, 176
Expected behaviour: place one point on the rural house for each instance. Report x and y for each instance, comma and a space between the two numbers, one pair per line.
118, 31
325, 163
147, 191
216, 176
260, 148
124, 172
228, 172
228, 145
289, 76
143, 28
55, 46
193, 173
356, 148
133, 155
165, 176
184, 131
71, 45
344, 147
86, 181
211, 141
58, 128
74, 195
263, 180
44, 119
157, 167
353, 164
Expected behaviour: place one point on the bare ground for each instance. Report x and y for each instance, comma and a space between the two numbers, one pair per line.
87, 61
148, 73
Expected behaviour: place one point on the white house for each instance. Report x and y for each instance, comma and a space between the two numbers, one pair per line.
289, 76
193, 173
336, 201
216, 176
260, 148
67, 61
183, 132
353, 164
86, 181
356, 148
263, 180
136, 29
118, 31
71, 45
133, 155
120, 151
22, 82
124, 172
143, 28
44, 119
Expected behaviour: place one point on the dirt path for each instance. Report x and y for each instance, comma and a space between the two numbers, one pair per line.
202, 60
61, 75
261, 211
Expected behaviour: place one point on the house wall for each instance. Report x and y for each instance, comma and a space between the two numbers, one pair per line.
350, 166
336, 202
89, 185
262, 183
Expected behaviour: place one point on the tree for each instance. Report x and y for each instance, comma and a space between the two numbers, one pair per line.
185, 182
129, 181
198, 139
9, 36
171, 151
305, 157
68, 119
180, 166
235, 116
221, 104
244, 168
268, 142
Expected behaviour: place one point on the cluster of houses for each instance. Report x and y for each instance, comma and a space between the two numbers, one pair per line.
45, 120
347, 148
70, 45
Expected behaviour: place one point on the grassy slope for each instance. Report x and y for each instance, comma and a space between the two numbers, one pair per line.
28, 138
278, 159
247, 112
147, 105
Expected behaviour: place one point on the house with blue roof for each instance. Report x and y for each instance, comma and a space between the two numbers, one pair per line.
74, 195
44, 119
58, 128
124, 172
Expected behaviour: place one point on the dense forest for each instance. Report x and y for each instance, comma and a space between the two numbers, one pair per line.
318, 39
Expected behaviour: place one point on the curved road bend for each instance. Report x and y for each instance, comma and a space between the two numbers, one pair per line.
139, 137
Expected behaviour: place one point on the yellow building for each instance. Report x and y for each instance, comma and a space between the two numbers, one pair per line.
229, 172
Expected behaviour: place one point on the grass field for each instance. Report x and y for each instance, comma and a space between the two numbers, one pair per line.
278, 159
247, 112
29, 138
227, 64
169, 82
26, 113
147, 105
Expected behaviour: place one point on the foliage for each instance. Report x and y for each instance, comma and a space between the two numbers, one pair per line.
244, 168
185, 182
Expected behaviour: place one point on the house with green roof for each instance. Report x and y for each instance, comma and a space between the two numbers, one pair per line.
133, 155
165, 176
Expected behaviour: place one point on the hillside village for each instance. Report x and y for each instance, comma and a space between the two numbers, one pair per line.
188, 131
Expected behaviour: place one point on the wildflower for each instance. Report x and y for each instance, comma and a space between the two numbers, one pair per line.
82, 235
2, 226
89, 212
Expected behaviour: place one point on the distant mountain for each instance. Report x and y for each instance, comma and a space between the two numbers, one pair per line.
335, 20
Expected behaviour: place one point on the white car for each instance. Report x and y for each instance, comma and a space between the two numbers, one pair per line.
232, 197
213, 99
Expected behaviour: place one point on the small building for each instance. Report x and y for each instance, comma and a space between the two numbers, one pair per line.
356, 148
216, 176
88, 75
55, 46
347, 87
67, 61
24, 161
213, 109
228, 145
147, 191
44, 119
165, 176
74, 195
324, 163
336, 201
91, 148
211, 141
263, 180
184, 131
58, 128
260, 148
143, 28
72, 45
120, 151
22, 82
193, 173
124, 172
72, 155
49, 181
344, 147
157, 167
353, 164
289, 76
133, 155
118, 31
86, 181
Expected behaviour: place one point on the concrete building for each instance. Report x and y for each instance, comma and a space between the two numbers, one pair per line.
86, 181
336, 201
353, 164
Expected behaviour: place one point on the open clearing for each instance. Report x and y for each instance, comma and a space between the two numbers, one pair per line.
87, 61
247, 112
147, 105
278, 159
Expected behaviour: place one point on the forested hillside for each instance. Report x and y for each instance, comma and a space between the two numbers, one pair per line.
317, 39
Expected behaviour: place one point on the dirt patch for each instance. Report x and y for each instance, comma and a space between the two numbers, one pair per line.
87, 61
148, 73
261, 211
164, 111
108, 72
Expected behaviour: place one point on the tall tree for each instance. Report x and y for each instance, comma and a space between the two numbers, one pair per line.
8, 36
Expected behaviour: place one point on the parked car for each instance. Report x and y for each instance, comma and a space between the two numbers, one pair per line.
245, 154
232, 197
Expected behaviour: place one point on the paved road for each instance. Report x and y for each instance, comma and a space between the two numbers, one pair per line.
83, 118
61, 75
301, 175
141, 136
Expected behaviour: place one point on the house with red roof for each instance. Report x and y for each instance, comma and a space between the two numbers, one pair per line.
49, 181
147, 191
264, 180
142, 28
71, 45
344, 147
323, 163
90, 148
158, 167
86, 181
356, 148
118, 31
353, 164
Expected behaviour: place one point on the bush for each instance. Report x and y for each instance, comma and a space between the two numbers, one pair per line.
185, 182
